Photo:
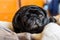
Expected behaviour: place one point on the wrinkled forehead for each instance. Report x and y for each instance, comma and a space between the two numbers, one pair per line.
34, 10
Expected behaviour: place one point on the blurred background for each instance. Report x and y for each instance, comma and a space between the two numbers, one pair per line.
9, 7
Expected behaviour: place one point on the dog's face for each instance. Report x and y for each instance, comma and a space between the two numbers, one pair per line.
30, 19
33, 19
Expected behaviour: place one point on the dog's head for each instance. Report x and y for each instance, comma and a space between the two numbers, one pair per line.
30, 19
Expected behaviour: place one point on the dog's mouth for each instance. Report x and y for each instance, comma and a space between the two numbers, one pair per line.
33, 23
34, 27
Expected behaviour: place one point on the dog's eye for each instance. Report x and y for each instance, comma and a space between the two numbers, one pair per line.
28, 16
40, 16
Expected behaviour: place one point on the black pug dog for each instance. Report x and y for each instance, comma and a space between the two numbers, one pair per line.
31, 19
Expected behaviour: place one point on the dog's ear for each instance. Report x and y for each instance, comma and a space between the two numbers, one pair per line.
17, 19
52, 19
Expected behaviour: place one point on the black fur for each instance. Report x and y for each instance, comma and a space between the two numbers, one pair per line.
30, 19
